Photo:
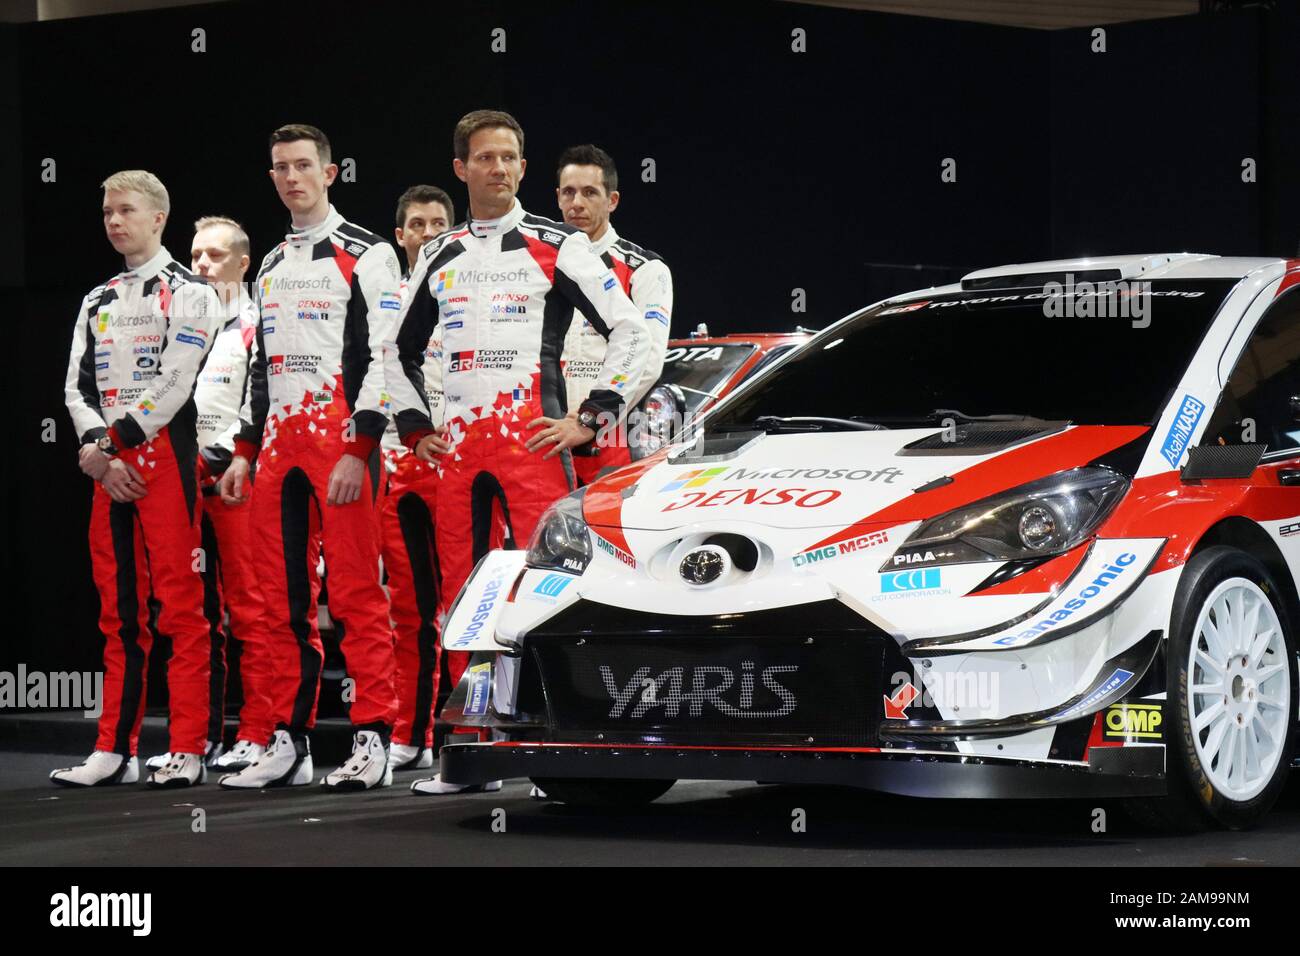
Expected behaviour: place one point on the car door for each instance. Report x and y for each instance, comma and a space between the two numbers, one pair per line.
1260, 404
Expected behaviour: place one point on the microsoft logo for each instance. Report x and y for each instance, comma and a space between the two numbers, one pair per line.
692, 479
446, 280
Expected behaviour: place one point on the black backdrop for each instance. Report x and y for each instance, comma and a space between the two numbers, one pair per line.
775, 170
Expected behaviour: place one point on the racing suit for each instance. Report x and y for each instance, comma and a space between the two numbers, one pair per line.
406, 534
138, 344
326, 297
646, 279
503, 292
229, 572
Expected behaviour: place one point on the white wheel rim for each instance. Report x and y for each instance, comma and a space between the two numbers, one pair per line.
1239, 693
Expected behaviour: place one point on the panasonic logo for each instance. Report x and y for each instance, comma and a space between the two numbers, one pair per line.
1111, 572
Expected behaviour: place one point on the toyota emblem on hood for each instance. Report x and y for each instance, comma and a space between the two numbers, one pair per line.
704, 565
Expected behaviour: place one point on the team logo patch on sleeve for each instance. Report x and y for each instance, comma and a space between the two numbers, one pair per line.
610, 283
390, 300
656, 316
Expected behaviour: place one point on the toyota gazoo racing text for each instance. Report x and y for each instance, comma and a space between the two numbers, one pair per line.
1034, 534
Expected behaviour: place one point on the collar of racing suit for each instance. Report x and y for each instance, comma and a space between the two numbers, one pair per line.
149, 269
602, 245
487, 228
240, 310
313, 234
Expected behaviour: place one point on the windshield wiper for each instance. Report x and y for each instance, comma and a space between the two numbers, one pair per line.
939, 414
799, 423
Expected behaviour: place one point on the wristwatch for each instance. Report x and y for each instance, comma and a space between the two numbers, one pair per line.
105, 444
587, 419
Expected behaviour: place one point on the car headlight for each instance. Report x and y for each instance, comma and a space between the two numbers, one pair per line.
660, 421
561, 541
1039, 519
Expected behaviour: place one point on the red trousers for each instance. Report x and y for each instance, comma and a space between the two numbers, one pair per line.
496, 483
587, 467
406, 528
152, 543
291, 521
234, 586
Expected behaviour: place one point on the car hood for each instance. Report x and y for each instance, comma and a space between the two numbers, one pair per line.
836, 479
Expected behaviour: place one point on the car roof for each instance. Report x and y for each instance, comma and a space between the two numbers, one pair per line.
762, 339
1167, 265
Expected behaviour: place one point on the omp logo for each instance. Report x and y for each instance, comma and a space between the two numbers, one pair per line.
708, 685
1132, 722
692, 479
552, 585
75, 909
1067, 610
922, 579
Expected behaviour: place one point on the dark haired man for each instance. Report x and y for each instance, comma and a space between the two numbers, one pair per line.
422, 213
313, 418
502, 292
587, 189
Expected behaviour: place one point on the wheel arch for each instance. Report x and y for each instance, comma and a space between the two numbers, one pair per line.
1245, 535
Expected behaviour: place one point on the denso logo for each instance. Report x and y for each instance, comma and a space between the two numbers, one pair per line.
314, 304
799, 497
506, 297
137, 339
708, 684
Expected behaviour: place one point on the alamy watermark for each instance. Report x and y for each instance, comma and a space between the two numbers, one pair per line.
1110, 299
59, 690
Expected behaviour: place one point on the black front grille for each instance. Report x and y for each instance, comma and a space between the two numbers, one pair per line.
817, 683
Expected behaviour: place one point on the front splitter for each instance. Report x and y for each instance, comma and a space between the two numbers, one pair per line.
954, 776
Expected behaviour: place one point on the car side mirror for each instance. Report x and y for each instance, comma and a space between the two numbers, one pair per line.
1295, 408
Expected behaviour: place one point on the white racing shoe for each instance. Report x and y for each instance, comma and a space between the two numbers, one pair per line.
210, 752
433, 786
238, 757
368, 766
286, 763
404, 757
101, 769
181, 770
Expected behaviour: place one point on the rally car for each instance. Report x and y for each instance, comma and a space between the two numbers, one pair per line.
1033, 534
697, 372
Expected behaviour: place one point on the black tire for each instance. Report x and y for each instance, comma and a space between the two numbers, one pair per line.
1193, 802
595, 792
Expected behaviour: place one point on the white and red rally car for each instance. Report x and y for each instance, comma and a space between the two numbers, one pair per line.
1033, 534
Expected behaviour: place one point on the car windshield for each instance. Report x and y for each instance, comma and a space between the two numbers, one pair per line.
978, 354
701, 371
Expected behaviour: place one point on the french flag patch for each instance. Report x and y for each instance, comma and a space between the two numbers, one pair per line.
522, 394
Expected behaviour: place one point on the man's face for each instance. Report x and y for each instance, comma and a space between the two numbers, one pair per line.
211, 256
494, 168
298, 175
131, 221
583, 199
424, 220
